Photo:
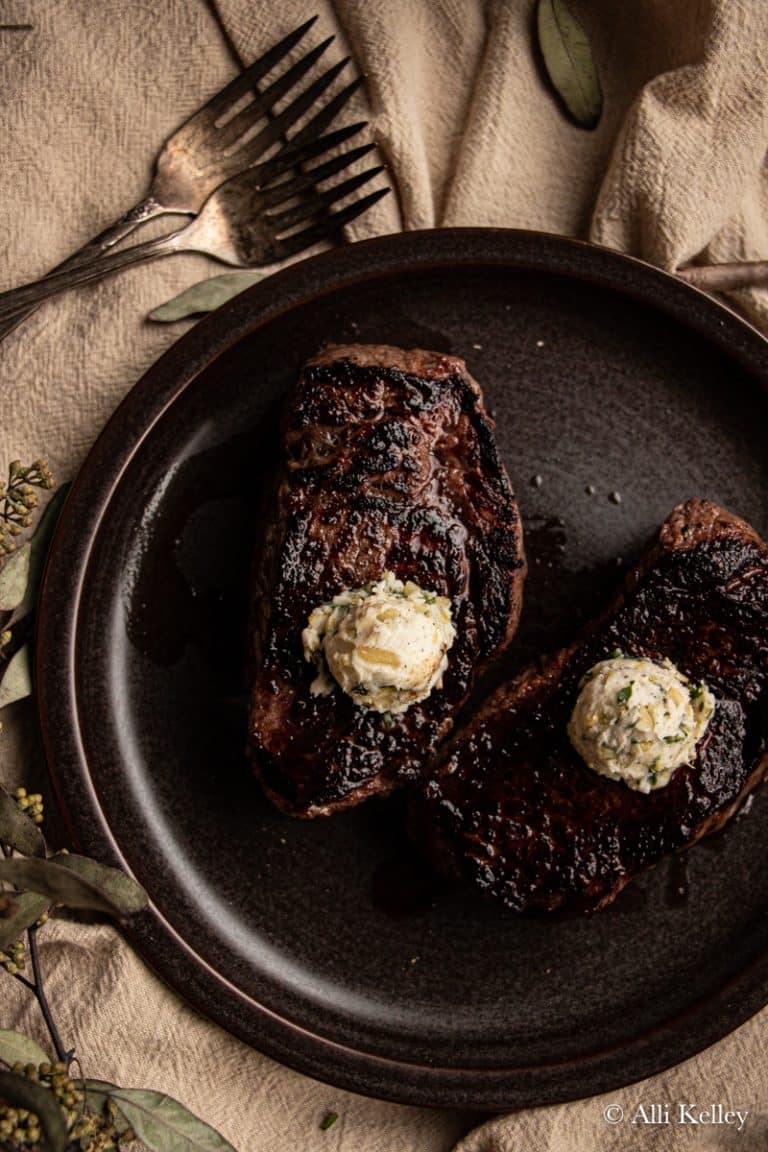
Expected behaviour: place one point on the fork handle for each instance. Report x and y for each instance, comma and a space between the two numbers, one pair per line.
147, 209
19, 300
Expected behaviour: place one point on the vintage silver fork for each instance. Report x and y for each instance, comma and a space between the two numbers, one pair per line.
242, 223
210, 146
214, 143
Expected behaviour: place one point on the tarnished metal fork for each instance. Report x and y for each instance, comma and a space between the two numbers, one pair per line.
242, 223
211, 146
216, 142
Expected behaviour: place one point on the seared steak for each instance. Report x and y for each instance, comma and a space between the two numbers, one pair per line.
391, 464
518, 812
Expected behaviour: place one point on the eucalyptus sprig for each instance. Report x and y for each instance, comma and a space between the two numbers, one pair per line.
18, 498
21, 571
43, 1104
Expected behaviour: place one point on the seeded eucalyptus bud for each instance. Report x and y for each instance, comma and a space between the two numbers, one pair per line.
18, 497
41, 469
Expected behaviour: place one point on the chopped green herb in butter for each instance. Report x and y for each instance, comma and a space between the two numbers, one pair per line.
637, 721
384, 644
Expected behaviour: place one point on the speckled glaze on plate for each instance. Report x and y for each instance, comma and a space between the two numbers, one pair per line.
618, 391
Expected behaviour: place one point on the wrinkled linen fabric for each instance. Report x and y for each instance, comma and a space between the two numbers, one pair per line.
472, 135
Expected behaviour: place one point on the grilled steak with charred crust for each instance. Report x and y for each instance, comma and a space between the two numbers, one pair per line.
516, 809
391, 465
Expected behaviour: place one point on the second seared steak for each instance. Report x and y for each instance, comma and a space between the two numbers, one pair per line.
518, 812
391, 465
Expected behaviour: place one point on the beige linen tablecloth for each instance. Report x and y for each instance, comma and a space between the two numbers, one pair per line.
675, 172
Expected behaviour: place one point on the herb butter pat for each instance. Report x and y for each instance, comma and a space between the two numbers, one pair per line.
385, 645
637, 721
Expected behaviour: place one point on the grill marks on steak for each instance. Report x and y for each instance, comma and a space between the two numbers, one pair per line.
391, 463
518, 812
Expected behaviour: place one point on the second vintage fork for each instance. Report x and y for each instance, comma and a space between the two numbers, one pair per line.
242, 223
214, 143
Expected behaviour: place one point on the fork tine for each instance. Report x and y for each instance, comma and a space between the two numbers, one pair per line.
290, 156
219, 103
327, 227
232, 129
282, 221
311, 129
277, 126
327, 114
278, 193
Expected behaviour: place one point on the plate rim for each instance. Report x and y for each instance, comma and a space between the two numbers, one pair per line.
162, 947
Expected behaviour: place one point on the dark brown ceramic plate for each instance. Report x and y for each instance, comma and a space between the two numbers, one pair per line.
326, 944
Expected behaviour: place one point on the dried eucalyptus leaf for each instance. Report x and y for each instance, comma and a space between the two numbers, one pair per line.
14, 1046
20, 1092
14, 576
29, 907
205, 296
569, 62
38, 551
16, 828
164, 1124
17, 678
125, 893
77, 882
